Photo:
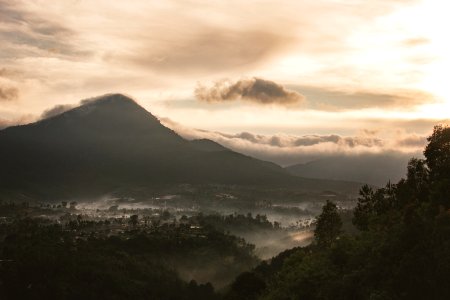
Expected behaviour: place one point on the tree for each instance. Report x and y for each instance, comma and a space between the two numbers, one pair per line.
416, 186
134, 220
166, 215
328, 226
417, 173
363, 208
247, 286
437, 154
384, 199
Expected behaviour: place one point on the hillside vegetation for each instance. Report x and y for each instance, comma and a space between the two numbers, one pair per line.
401, 251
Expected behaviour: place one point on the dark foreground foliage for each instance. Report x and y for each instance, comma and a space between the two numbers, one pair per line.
48, 261
402, 250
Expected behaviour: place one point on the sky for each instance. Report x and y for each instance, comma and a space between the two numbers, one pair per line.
289, 78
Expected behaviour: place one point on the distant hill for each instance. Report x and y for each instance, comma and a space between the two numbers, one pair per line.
112, 143
375, 169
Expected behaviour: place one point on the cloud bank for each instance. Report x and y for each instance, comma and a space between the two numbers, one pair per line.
254, 90
290, 149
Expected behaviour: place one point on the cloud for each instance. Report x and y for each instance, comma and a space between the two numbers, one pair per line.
285, 141
412, 141
417, 41
254, 90
25, 119
69, 50
4, 72
287, 149
26, 33
320, 98
206, 49
326, 99
8, 93
56, 110
61, 108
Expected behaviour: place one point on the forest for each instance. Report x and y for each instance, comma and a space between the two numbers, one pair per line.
398, 248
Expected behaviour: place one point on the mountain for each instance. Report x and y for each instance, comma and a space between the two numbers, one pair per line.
375, 169
111, 143
208, 145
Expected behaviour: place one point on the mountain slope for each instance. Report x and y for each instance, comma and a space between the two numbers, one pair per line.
112, 143
208, 145
375, 169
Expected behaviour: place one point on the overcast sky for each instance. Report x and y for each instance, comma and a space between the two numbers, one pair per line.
361, 69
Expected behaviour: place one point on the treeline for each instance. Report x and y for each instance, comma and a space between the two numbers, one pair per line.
43, 260
236, 222
401, 250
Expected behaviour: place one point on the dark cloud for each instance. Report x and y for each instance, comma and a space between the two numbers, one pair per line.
56, 110
8, 93
255, 90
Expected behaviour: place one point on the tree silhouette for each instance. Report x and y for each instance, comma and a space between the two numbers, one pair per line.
437, 154
134, 220
328, 226
364, 208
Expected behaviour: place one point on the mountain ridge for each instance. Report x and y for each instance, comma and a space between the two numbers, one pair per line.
111, 143
374, 169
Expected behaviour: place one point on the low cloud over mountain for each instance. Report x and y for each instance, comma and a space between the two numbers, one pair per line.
366, 157
287, 149
56, 110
